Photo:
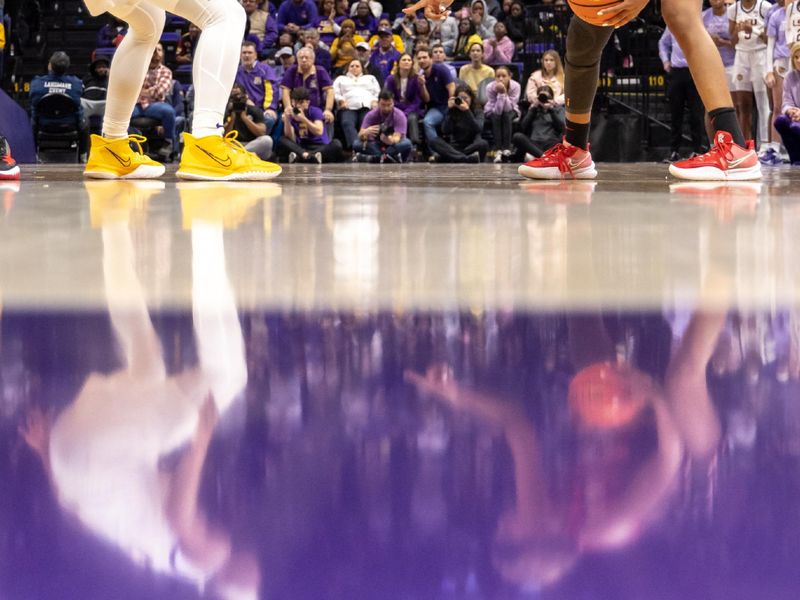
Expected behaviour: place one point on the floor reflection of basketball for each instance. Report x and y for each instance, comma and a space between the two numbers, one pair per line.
587, 9
606, 396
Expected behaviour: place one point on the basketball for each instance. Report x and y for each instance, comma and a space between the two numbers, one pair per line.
586, 10
607, 396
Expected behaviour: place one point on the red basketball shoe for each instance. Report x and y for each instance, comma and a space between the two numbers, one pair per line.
726, 161
559, 162
8, 166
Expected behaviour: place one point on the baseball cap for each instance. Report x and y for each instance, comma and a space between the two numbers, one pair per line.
362, 46
384, 31
285, 51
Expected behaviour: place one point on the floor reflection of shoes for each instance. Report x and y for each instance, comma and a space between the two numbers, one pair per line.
562, 191
120, 200
727, 199
229, 203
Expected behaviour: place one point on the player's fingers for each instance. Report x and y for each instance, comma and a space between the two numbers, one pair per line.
619, 20
612, 10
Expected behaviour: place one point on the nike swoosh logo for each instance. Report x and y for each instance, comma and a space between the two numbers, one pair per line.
125, 162
735, 163
226, 162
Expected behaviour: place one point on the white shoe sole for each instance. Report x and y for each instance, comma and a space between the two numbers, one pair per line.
12, 173
249, 176
553, 173
714, 174
141, 172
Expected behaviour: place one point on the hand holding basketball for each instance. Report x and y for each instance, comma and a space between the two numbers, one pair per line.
619, 14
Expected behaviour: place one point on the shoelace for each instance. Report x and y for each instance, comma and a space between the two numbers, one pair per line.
138, 140
721, 147
559, 152
233, 143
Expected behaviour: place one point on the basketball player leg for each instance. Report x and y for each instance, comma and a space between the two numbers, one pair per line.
111, 156
729, 157
585, 43
206, 155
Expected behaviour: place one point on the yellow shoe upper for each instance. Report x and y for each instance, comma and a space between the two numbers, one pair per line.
217, 156
117, 156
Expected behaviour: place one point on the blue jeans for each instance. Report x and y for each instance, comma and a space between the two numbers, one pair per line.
433, 118
160, 111
402, 148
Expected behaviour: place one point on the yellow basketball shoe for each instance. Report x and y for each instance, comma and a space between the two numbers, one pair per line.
215, 158
115, 159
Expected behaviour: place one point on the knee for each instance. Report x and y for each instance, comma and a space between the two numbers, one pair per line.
782, 123
218, 12
676, 16
150, 32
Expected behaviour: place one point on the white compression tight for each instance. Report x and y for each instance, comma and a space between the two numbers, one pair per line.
215, 60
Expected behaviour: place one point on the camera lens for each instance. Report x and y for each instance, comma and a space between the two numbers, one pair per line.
458, 101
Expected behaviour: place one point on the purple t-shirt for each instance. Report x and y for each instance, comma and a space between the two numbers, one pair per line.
301, 132
718, 25
303, 14
395, 119
776, 28
437, 83
384, 60
315, 83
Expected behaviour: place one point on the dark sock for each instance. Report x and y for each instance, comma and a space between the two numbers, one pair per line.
577, 134
724, 119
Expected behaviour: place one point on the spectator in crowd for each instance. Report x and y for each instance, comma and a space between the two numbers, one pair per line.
384, 55
461, 140
447, 33
327, 23
356, 94
475, 72
95, 89
423, 34
542, 126
261, 24
343, 49
154, 98
551, 74
498, 50
383, 133
484, 22
715, 20
397, 41
365, 24
111, 33
247, 120
682, 95
58, 82
322, 54
284, 59
376, 8
305, 138
260, 83
364, 54
437, 89
788, 123
517, 24
467, 37
315, 79
439, 57
777, 69
502, 108
294, 15
405, 85
404, 27
184, 54
342, 10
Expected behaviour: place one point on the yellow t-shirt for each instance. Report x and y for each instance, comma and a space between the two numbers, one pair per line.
473, 77
344, 53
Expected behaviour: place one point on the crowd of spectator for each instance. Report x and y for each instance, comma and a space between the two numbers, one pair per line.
458, 82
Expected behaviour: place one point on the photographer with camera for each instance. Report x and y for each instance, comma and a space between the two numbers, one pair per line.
305, 138
461, 140
248, 121
541, 127
382, 136
502, 107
